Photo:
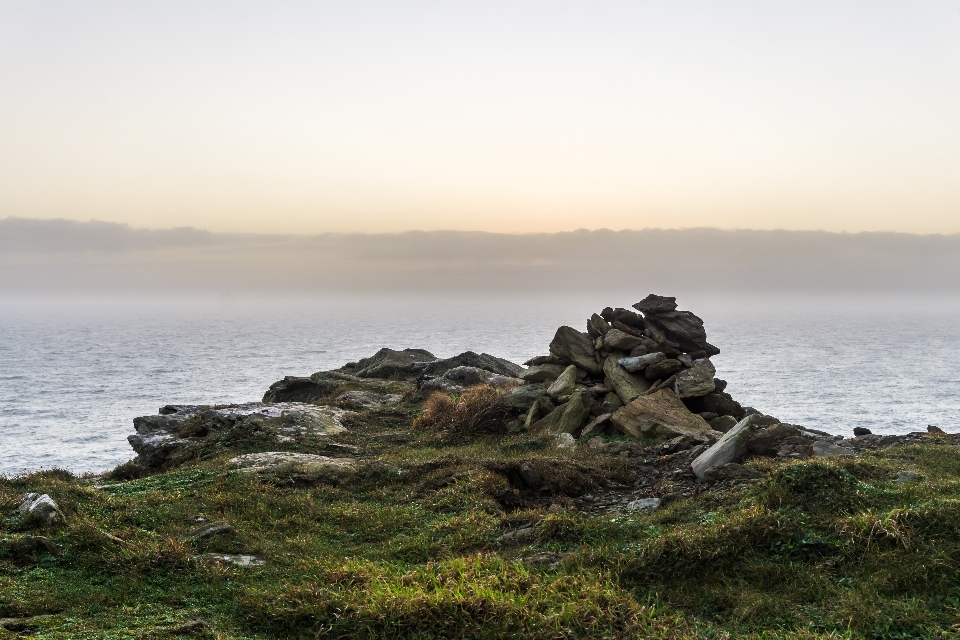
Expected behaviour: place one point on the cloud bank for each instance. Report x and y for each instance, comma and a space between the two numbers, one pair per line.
62, 256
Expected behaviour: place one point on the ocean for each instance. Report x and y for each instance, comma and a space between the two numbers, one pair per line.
75, 372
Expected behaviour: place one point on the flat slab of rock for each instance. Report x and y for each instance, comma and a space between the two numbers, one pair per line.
368, 399
660, 408
206, 530
286, 461
656, 304
826, 449
542, 372
238, 560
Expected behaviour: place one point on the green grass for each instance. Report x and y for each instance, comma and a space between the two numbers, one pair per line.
410, 547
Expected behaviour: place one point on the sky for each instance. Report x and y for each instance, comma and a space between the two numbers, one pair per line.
508, 117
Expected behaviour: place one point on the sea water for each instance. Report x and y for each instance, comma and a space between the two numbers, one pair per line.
75, 372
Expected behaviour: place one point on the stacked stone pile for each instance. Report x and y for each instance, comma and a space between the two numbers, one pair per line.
645, 373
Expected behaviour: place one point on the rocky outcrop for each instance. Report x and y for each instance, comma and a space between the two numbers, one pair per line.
301, 389
461, 378
483, 361
181, 431
389, 364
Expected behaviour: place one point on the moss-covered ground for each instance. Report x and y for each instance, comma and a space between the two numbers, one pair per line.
411, 547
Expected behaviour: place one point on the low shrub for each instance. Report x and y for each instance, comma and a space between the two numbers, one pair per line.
472, 412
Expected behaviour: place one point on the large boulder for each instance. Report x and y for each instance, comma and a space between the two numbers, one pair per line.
388, 364
682, 324
696, 381
460, 378
483, 361
656, 304
597, 326
626, 385
575, 347
302, 389
732, 447
660, 408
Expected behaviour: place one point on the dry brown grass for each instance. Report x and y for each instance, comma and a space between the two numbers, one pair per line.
467, 414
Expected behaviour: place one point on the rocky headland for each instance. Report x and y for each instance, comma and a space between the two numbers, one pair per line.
405, 495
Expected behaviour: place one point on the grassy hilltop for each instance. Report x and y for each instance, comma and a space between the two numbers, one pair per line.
439, 532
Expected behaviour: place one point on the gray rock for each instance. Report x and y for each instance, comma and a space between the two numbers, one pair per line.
575, 413
682, 324
611, 402
906, 476
656, 304
723, 423
237, 560
368, 399
388, 363
542, 372
861, 431
565, 384
461, 378
483, 361
662, 369
522, 398
306, 464
643, 504
167, 440
731, 471
626, 316
617, 339
564, 440
627, 386
40, 509
206, 530
730, 448
596, 425
696, 381
635, 364
597, 326
826, 449
575, 348
652, 414
719, 403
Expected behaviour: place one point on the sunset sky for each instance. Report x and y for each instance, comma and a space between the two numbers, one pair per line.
307, 117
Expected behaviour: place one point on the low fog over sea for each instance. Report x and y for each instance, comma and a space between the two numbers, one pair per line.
75, 372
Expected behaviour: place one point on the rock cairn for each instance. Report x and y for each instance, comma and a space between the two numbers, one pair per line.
645, 373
